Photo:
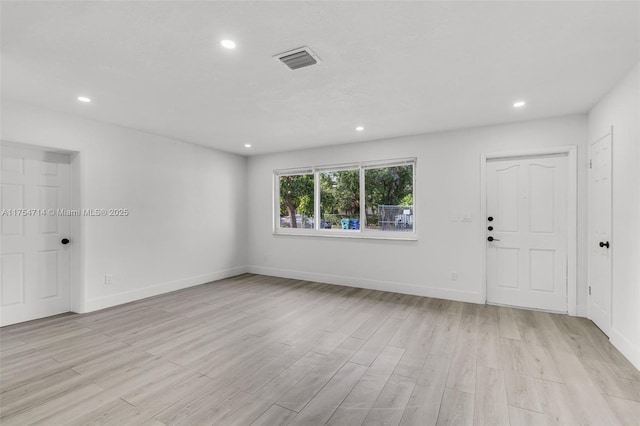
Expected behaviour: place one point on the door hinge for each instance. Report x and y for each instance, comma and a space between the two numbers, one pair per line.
590, 164
589, 290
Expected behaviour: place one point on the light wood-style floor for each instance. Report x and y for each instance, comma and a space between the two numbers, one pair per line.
255, 350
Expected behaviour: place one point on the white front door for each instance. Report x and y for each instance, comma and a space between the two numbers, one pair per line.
527, 232
600, 233
35, 276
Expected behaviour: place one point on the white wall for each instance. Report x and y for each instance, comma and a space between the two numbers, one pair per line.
620, 108
448, 178
188, 216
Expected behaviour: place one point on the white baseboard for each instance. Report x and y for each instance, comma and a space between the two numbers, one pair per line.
624, 345
142, 293
396, 287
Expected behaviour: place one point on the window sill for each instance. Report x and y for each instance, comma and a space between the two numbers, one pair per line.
363, 235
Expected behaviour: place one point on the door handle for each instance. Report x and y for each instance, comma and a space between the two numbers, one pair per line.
492, 239
604, 244
65, 241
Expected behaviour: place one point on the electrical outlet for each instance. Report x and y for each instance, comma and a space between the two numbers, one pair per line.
108, 279
454, 276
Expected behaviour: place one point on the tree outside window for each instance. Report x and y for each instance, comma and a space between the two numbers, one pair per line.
296, 201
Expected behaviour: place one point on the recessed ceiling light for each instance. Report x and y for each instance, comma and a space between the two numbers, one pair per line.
228, 44
359, 128
519, 104
84, 99
247, 145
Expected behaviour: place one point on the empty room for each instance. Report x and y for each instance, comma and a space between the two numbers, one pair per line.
320, 213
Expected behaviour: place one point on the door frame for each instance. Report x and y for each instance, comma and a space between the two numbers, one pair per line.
608, 134
572, 213
77, 255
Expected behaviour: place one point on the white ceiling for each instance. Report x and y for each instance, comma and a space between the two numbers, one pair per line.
397, 68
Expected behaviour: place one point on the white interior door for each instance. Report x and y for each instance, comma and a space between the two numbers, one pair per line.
600, 233
527, 232
35, 277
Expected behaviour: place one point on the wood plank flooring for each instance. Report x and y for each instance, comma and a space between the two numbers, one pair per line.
256, 350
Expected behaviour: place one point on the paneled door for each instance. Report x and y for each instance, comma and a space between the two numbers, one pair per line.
526, 232
600, 233
35, 276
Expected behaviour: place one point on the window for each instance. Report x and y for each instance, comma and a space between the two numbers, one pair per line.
389, 198
368, 200
340, 199
296, 201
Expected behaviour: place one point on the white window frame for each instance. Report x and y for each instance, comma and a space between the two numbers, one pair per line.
316, 231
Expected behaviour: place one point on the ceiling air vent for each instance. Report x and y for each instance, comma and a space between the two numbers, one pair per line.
298, 58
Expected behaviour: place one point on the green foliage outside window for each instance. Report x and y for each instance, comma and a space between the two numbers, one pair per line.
386, 188
296, 197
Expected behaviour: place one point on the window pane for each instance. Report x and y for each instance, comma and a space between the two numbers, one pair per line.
389, 198
340, 199
296, 201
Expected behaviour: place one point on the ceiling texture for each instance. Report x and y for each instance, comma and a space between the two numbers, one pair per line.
396, 68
